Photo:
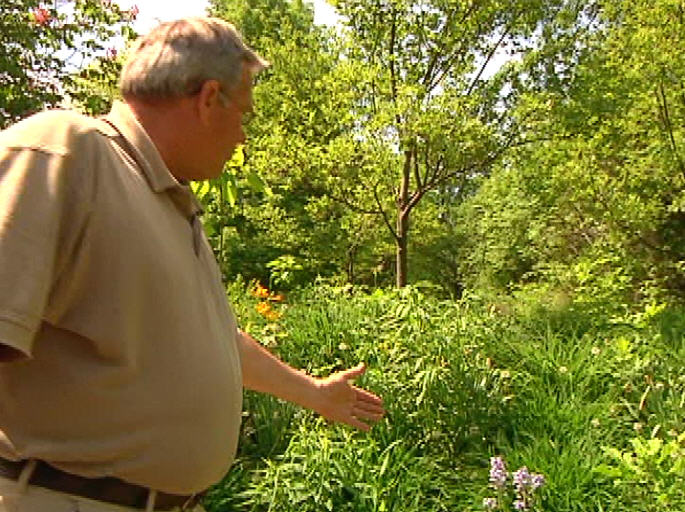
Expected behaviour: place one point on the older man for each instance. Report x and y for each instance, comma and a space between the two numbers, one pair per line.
123, 367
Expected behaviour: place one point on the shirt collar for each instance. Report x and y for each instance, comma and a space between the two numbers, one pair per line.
150, 161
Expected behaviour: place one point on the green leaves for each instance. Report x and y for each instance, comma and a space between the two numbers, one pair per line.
45, 45
652, 472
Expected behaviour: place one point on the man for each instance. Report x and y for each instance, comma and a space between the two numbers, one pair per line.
123, 367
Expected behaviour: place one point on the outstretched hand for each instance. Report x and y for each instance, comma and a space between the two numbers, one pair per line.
341, 401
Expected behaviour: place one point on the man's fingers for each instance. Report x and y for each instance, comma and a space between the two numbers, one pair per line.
356, 423
363, 412
367, 396
369, 406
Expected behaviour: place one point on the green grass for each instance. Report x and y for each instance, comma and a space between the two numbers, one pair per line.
462, 382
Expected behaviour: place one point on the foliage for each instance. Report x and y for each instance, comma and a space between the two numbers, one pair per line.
297, 102
595, 195
545, 386
651, 473
43, 47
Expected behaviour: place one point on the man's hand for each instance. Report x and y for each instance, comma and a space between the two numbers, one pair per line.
340, 401
333, 397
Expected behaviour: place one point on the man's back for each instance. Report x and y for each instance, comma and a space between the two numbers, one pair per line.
134, 369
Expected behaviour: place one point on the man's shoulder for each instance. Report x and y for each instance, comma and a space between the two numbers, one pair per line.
57, 132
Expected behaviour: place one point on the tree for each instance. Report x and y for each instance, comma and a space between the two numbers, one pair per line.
303, 104
600, 198
429, 117
41, 43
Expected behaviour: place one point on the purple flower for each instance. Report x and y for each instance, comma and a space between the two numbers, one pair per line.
538, 481
489, 503
520, 505
522, 479
498, 472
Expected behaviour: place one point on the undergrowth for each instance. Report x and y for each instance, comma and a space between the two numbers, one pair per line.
567, 392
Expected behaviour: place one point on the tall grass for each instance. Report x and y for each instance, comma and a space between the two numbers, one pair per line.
462, 381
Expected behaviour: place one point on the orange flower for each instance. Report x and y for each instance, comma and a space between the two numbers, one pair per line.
260, 291
263, 308
277, 297
272, 315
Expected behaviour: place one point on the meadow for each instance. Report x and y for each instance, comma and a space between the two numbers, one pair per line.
589, 397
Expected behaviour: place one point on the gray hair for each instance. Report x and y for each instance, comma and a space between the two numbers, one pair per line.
177, 57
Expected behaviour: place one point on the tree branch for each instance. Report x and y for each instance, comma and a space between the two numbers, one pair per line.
669, 127
417, 175
428, 80
382, 212
491, 54
393, 77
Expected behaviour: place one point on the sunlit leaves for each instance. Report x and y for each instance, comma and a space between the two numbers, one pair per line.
43, 45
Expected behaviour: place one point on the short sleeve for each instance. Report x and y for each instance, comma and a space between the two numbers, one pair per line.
34, 195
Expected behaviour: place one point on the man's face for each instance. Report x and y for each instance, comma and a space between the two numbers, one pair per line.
228, 118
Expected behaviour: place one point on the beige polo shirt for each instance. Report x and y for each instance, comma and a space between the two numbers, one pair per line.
133, 369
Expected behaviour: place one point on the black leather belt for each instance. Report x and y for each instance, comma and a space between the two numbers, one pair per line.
108, 489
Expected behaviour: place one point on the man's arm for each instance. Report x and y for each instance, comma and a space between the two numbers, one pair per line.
332, 397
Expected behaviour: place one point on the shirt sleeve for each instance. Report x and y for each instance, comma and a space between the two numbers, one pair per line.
34, 192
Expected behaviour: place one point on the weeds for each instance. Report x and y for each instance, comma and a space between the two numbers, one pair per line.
462, 382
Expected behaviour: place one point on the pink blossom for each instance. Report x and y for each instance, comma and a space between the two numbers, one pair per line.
133, 12
111, 53
41, 15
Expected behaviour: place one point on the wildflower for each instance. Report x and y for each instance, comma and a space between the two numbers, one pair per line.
637, 427
343, 346
41, 15
133, 12
498, 472
489, 503
563, 370
263, 308
272, 315
277, 297
594, 422
595, 351
111, 53
260, 292
520, 505
538, 481
522, 479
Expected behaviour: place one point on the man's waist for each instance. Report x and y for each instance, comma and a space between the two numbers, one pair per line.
106, 489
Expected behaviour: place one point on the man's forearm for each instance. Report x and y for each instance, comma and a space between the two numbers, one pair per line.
334, 397
264, 372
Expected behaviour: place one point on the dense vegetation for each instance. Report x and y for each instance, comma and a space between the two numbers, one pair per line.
595, 404
518, 164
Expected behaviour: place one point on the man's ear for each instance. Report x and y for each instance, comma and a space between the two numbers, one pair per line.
207, 99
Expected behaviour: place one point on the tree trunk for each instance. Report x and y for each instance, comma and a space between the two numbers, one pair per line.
402, 228
401, 246
351, 252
